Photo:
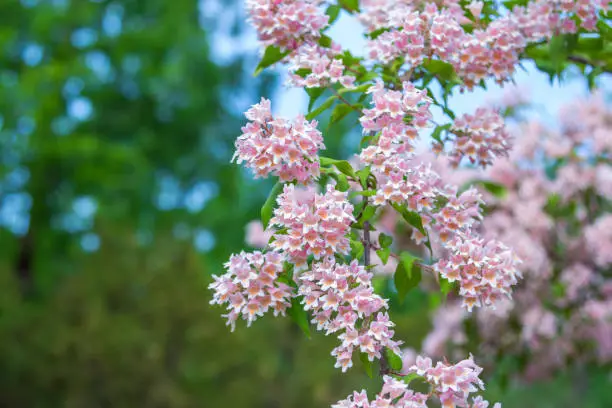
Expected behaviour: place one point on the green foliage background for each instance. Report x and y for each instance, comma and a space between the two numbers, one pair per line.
129, 324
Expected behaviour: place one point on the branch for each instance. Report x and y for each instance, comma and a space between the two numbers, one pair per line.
344, 100
367, 245
581, 60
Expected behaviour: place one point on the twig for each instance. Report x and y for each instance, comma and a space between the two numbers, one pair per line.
344, 100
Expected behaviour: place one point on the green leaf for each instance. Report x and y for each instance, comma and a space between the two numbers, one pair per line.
383, 254
314, 94
350, 5
368, 213
385, 240
498, 190
325, 41
299, 315
445, 286
414, 220
342, 183
410, 377
407, 275
356, 249
333, 11
363, 175
342, 165
268, 207
322, 108
367, 364
443, 70
436, 134
339, 112
558, 52
364, 193
394, 361
411, 217
271, 56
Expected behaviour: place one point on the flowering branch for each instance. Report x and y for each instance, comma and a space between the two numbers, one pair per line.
310, 268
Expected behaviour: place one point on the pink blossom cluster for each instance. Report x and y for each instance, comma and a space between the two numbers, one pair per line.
394, 394
250, 287
286, 23
459, 215
414, 34
560, 229
481, 137
279, 147
388, 114
485, 271
417, 187
316, 224
342, 300
322, 67
598, 237
451, 384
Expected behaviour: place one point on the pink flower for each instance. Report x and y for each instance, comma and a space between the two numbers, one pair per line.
285, 149
452, 384
250, 287
486, 271
394, 146
256, 236
314, 224
342, 300
480, 137
286, 24
599, 240
324, 67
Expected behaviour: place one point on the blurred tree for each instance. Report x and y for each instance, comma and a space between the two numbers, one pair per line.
116, 132
113, 107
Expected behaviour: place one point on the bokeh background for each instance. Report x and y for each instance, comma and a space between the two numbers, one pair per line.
118, 201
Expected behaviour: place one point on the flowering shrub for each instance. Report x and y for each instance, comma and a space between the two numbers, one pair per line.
555, 211
317, 264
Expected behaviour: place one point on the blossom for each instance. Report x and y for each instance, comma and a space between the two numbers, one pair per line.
322, 65
598, 237
417, 187
394, 146
286, 24
250, 287
480, 137
342, 301
316, 224
394, 393
451, 384
279, 147
485, 271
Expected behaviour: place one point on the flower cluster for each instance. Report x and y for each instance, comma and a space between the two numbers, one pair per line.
279, 147
343, 301
480, 137
491, 51
459, 214
388, 114
250, 287
418, 187
598, 237
316, 224
394, 394
556, 214
451, 384
485, 271
321, 66
286, 24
